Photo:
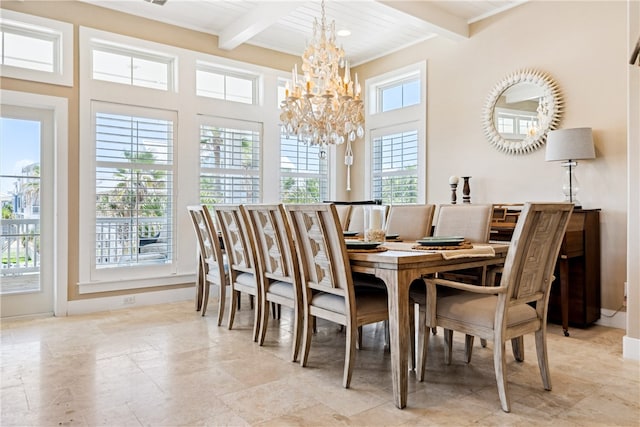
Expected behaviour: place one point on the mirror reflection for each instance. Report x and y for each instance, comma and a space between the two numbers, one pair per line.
521, 110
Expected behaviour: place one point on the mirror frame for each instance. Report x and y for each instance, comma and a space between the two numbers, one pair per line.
530, 143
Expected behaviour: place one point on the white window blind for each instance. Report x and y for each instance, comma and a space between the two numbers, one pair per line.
230, 162
30, 49
395, 167
303, 174
134, 189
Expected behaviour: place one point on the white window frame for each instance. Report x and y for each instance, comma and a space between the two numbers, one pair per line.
230, 72
168, 60
190, 110
392, 130
61, 33
413, 117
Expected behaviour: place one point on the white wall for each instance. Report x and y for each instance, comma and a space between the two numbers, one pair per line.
583, 46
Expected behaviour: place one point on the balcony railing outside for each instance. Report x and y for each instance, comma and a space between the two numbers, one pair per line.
120, 241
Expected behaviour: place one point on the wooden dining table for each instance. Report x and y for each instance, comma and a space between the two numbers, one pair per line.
398, 267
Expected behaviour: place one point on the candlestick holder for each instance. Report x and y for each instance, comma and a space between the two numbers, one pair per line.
454, 197
466, 190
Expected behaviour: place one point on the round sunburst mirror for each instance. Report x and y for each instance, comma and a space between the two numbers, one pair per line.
521, 110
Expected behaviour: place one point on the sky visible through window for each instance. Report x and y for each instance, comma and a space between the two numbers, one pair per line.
19, 147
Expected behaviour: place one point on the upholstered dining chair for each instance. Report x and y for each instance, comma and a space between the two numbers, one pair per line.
410, 222
343, 215
241, 255
473, 222
517, 306
212, 268
278, 267
328, 285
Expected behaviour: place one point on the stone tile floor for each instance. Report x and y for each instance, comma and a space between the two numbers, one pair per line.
165, 365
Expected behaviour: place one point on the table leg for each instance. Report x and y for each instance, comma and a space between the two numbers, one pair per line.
398, 283
564, 293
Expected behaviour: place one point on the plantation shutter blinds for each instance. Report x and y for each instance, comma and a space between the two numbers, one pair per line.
134, 186
303, 173
394, 166
229, 161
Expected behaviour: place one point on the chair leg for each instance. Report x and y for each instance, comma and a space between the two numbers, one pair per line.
232, 313
434, 330
349, 356
387, 337
500, 367
297, 332
543, 361
423, 344
200, 279
274, 310
264, 320
468, 347
359, 341
448, 345
517, 344
256, 318
222, 297
483, 343
309, 322
205, 296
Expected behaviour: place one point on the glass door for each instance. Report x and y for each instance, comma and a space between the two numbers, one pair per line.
26, 163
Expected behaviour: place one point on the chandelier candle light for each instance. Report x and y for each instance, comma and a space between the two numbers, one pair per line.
324, 108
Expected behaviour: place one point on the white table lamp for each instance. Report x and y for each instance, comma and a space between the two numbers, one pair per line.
569, 145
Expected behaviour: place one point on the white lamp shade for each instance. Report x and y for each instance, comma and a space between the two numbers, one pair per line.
570, 144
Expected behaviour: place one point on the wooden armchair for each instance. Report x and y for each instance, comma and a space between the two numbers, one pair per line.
517, 307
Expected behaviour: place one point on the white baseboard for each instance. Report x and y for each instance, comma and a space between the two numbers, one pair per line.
630, 348
612, 319
128, 301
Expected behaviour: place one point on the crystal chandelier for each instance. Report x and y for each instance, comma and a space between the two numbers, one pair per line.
324, 108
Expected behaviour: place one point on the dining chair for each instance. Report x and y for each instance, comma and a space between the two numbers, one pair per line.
343, 215
278, 268
410, 222
516, 307
328, 285
212, 268
471, 221
241, 255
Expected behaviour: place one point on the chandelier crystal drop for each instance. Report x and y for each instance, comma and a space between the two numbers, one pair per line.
324, 108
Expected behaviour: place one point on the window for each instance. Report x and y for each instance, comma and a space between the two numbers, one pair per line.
303, 173
35, 48
129, 67
399, 94
229, 161
395, 168
396, 158
134, 188
226, 84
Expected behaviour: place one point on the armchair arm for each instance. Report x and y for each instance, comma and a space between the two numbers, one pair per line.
466, 287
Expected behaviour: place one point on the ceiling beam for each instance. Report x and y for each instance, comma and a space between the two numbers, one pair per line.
442, 22
259, 19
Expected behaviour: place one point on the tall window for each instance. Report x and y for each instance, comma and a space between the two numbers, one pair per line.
134, 188
397, 160
303, 173
229, 161
395, 164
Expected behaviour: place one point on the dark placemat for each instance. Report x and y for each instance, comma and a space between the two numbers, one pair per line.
463, 245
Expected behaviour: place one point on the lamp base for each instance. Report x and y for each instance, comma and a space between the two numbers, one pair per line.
570, 184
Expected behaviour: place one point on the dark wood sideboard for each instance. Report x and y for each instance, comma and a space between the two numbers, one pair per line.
575, 294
